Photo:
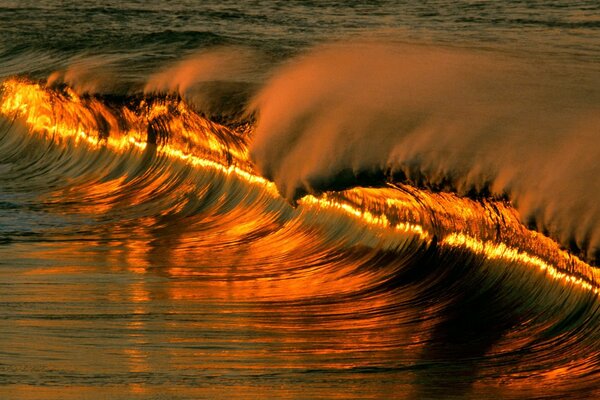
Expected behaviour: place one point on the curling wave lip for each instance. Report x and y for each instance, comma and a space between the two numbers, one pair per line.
181, 134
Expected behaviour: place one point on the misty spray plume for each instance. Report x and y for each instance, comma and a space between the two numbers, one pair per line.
217, 81
457, 120
89, 75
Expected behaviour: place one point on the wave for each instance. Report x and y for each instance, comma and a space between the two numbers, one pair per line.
467, 122
170, 128
479, 297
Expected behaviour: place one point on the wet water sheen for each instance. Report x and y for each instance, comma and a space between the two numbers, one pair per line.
142, 256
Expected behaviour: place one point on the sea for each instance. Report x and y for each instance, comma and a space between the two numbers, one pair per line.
299, 199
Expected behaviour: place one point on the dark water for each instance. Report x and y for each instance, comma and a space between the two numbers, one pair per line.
435, 236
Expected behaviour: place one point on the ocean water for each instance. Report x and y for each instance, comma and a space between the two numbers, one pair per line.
298, 200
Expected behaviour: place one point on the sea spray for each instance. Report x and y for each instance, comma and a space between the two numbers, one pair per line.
454, 120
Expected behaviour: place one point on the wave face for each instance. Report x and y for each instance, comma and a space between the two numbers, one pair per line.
223, 200
430, 293
466, 122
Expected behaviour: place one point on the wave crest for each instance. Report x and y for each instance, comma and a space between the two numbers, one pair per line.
450, 120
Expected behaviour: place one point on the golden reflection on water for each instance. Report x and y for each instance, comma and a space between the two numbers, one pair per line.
501, 251
39, 107
209, 324
68, 117
169, 299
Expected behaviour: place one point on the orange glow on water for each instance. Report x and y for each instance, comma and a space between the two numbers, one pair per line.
500, 251
70, 117
461, 214
200, 143
366, 216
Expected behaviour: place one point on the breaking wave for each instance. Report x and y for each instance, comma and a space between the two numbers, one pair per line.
439, 255
472, 123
